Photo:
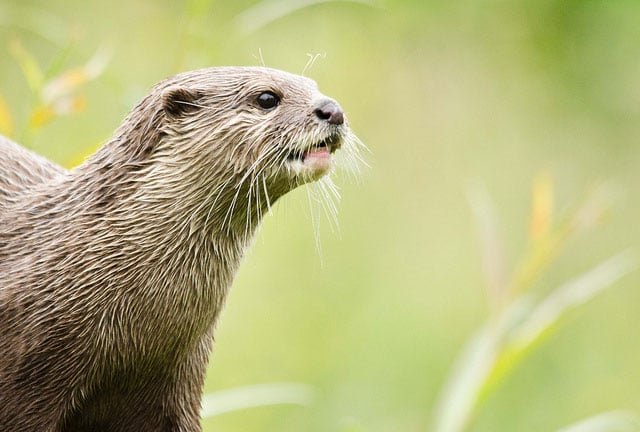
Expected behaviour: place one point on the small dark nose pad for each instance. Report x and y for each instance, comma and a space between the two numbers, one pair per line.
330, 112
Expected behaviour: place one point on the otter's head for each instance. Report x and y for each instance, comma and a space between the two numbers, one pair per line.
257, 123
224, 143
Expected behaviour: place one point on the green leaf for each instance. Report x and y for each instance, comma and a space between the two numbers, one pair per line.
461, 392
541, 320
29, 65
267, 11
470, 379
503, 342
572, 294
491, 245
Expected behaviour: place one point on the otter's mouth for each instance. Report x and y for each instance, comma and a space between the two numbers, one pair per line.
323, 148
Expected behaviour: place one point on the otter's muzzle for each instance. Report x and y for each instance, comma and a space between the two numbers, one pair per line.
328, 110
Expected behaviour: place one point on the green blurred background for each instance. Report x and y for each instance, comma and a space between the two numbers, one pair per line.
445, 94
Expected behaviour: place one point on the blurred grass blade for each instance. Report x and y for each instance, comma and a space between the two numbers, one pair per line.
70, 80
6, 121
64, 84
240, 398
267, 11
43, 114
471, 377
541, 320
515, 327
547, 240
572, 294
35, 20
613, 421
28, 64
460, 395
542, 198
595, 207
485, 360
57, 98
492, 249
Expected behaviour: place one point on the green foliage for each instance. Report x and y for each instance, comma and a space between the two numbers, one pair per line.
54, 92
517, 323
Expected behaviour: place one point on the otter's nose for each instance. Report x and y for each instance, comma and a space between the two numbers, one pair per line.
330, 112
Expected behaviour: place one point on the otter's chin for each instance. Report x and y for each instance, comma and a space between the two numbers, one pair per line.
312, 166
316, 163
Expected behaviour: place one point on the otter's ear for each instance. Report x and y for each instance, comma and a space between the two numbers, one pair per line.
177, 100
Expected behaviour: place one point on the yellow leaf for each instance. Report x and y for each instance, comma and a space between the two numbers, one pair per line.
41, 115
6, 121
78, 104
69, 81
542, 206
68, 105
64, 84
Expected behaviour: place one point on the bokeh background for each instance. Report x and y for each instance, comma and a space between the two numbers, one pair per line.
451, 97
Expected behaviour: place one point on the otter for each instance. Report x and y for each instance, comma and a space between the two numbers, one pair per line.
113, 274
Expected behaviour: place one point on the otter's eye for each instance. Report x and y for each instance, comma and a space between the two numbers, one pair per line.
268, 100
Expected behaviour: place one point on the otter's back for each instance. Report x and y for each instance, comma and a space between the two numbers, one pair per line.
21, 169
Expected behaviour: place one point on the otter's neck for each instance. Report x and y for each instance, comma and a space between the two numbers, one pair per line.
183, 225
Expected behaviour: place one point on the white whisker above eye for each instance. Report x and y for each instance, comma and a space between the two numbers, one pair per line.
192, 104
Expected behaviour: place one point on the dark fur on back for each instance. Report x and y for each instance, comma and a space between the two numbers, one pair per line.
112, 275
21, 169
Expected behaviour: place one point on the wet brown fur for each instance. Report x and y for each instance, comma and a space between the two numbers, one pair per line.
112, 275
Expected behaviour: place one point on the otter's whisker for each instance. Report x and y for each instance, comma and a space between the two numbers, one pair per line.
220, 191
247, 216
195, 213
251, 172
257, 199
227, 221
193, 104
352, 156
311, 61
266, 194
315, 223
329, 192
255, 164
